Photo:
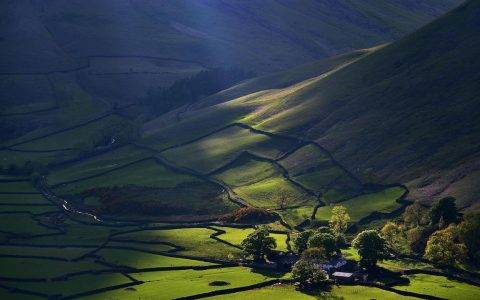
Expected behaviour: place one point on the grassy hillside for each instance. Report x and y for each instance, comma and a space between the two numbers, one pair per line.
405, 112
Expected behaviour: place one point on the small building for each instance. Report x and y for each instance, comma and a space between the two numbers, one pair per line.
342, 276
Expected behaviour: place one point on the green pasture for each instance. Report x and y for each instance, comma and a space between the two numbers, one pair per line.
22, 199
28, 107
215, 150
285, 291
182, 283
267, 193
78, 234
362, 206
17, 186
74, 285
440, 286
22, 224
398, 265
196, 241
146, 173
247, 171
295, 216
71, 138
98, 164
146, 247
19, 159
36, 267
29, 250
140, 260
262, 184
34, 209
6, 294
305, 159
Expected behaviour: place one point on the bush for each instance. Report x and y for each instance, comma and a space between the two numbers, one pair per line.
308, 274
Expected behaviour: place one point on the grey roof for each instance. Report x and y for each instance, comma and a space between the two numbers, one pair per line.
342, 274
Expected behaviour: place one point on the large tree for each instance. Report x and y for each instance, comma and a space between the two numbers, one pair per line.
258, 244
443, 249
444, 210
325, 241
371, 248
340, 219
308, 274
395, 236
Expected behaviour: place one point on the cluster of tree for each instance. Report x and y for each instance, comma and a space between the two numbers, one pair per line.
317, 247
192, 89
438, 233
249, 215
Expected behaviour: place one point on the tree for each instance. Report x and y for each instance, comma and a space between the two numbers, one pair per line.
395, 237
339, 219
301, 240
442, 248
415, 215
325, 241
283, 199
258, 244
468, 231
308, 274
371, 248
446, 210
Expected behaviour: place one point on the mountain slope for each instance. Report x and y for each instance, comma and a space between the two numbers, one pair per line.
407, 112
120, 49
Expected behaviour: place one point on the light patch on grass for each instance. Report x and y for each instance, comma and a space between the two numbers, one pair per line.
362, 206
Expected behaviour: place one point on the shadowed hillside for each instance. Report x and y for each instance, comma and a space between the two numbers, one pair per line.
405, 113
119, 49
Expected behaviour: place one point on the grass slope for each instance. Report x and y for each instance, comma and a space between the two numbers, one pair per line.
216, 150
362, 206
